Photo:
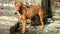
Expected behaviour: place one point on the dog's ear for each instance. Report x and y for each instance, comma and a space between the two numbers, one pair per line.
15, 2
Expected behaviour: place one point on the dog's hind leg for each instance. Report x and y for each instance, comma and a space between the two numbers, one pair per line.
41, 16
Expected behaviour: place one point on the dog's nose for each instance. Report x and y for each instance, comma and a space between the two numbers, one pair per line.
15, 13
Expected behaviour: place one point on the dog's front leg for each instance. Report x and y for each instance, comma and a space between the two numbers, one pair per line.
23, 24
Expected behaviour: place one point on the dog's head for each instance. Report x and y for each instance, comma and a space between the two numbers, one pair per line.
17, 5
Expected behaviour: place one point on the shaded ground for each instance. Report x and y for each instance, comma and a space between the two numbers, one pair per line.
53, 28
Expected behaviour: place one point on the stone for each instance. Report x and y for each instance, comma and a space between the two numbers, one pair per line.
53, 27
8, 27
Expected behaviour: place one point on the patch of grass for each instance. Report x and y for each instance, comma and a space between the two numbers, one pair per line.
57, 32
43, 32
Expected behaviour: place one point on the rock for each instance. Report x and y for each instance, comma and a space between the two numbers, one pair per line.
10, 18
8, 27
53, 27
7, 12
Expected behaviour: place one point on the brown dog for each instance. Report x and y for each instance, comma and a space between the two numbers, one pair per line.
29, 13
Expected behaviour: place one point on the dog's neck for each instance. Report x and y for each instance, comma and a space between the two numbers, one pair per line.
20, 10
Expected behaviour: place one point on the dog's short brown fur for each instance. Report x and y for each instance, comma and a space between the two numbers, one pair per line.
29, 13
